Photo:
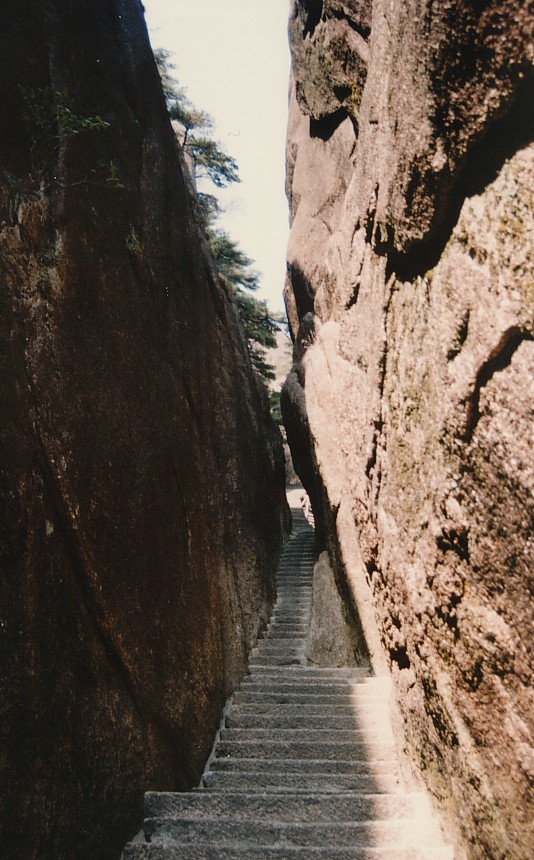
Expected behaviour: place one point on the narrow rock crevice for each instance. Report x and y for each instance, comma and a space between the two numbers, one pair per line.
499, 359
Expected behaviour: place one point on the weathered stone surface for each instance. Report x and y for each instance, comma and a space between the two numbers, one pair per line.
417, 388
142, 498
329, 640
330, 54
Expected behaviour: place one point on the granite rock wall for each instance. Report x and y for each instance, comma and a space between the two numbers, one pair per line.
142, 501
410, 181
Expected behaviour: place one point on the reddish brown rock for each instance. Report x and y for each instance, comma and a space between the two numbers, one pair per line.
142, 503
413, 242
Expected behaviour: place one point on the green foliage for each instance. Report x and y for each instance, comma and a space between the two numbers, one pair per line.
46, 112
276, 408
49, 117
234, 267
209, 157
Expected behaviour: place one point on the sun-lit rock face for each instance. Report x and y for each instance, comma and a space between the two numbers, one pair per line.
142, 496
410, 261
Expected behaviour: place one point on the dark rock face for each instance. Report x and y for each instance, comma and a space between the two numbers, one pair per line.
142, 493
411, 234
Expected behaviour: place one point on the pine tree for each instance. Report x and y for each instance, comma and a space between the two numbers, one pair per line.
234, 267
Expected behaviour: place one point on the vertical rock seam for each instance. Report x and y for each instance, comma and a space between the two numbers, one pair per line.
410, 174
142, 503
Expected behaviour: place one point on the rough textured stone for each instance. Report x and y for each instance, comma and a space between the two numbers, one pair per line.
329, 639
416, 391
142, 499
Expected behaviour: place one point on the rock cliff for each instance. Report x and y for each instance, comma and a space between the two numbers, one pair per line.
409, 408
142, 493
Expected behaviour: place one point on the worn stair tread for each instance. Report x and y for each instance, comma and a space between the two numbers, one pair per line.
311, 807
311, 698
318, 672
299, 765
307, 736
168, 851
283, 782
265, 709
296, 684
355, 833
314, 749
298, 720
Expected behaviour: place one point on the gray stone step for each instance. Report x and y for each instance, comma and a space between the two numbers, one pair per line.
166, 851
356, 834
297, 589
311, 808
304, 766
300, 684
316, 698
325, 783
300, 624
280, 720
258, 660
286, 631
305, 689
300, 749
316, 673
317, 708
294, 614
277, 646
306, 735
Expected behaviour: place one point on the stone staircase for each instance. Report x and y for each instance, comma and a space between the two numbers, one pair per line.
304, 765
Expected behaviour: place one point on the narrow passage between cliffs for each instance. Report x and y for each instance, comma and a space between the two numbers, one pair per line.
304, 764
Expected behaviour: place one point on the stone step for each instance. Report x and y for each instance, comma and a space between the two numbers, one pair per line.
280, 720
311, 808
288, 640
291, 606
295, 580
285, 782
277, 651
277, 647
305, 766
355, 689
293, 598
295, 567
300, 621
357, 834
344, 750
317, 672
340, 700
295, 615
299, 590
307, 735
296, 590
258, 660
301, 684
165, 851
268, 709
287, 631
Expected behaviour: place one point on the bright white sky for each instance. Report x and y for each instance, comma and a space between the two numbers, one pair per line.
233, 58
